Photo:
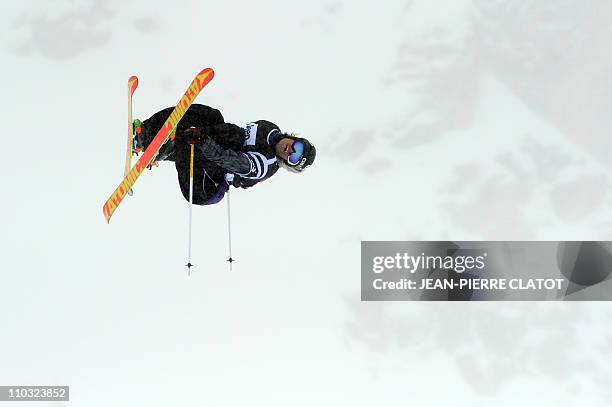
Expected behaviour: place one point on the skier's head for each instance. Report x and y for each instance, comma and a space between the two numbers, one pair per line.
295, 154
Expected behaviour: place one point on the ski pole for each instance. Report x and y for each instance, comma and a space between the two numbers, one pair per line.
229, 230
190, 208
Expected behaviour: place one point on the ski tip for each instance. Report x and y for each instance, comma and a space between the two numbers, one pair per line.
207, 72
107, 213
132, 85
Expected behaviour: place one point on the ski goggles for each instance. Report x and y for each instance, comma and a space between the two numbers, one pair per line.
298, 152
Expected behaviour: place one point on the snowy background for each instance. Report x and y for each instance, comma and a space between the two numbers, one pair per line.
432, 120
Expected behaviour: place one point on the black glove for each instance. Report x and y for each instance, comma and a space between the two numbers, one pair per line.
244, 183
193, 135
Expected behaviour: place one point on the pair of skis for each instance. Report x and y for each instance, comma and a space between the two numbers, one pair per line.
167, 132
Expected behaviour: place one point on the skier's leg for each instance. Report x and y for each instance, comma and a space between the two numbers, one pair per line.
214, 182
199, 195
150, 127
196, 116
182, 168
205, 191
209, 184
222, 188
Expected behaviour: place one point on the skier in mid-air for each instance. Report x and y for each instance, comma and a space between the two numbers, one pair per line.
225, 154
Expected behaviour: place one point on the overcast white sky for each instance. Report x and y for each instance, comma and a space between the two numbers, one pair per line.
441, 120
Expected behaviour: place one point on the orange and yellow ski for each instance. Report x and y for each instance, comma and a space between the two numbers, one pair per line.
166, 132
132, 85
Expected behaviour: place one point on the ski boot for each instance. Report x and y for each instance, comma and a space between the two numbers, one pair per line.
137, 140
142, 139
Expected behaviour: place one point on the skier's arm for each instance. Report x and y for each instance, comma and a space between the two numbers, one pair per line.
248, 165
227, 135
